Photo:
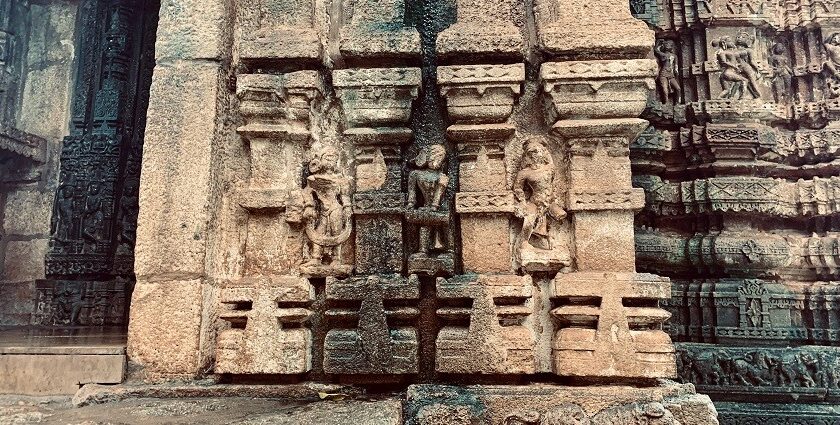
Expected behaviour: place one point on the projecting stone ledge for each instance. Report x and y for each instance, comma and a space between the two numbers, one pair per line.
665, 403
662, 403
23, 144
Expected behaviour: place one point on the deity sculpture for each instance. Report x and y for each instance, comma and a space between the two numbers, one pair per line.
738, 68
534, 192
428, 209
94, 222
666, 81
782, 73
63, 214
324, 206
832, 64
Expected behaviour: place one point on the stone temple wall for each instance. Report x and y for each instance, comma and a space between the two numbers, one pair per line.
37, 59
740, 174
399, 192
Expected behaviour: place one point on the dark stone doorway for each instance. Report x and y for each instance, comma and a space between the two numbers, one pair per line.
89, 266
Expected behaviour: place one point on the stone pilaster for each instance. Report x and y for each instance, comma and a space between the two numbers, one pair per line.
377, 107
479, 101
609, 322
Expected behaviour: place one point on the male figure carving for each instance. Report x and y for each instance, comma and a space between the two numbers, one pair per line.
430, 182
327, 209
534, 192
667, 82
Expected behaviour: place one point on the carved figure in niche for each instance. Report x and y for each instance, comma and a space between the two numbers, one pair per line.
68, 305
94, 222
832, 64
533, 189
666, 81
782, 74
738, 69
64, 214
327, 212
430, 183
127, 221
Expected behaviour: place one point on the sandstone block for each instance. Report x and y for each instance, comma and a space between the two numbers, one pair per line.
165, 328
176, 184
24, 260
497, 339
193, 29
264, 331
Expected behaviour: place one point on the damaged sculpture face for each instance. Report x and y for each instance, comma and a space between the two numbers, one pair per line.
325, 211
534, 191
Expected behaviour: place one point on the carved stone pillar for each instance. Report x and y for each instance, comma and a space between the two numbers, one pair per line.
372, 331
479, 100
609, 322
276, 110
377, 107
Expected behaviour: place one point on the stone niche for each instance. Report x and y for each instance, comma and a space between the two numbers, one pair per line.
402, 192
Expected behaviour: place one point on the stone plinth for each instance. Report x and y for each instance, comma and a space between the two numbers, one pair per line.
610, 325
665, 403
496, 339
265, 332
382, 342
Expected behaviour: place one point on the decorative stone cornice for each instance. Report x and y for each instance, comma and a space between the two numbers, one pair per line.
775, 197
483, 94
377, 97
22, 144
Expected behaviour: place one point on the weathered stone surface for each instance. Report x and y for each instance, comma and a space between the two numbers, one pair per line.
265, 332
165, 328
58, 374
30, 213
172, 227
24, 260
666, 403
193, 30
498, 338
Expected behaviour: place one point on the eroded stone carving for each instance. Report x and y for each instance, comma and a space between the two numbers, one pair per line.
534, 190
265, 331
496, 340
326, 211
428, 209
383, 342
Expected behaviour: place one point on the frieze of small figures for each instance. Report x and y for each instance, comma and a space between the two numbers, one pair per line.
786, 370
